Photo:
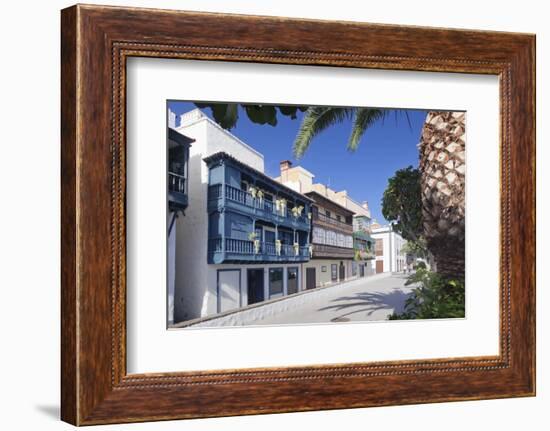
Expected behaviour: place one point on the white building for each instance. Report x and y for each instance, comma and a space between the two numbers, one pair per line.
388, 249
218, 266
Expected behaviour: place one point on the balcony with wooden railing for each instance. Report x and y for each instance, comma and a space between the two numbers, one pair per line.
177, 191
332, 251
330, 222
232, 250
226, 196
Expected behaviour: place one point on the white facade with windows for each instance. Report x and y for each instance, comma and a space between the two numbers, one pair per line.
388, 250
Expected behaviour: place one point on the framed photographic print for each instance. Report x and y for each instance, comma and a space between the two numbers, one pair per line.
332, 222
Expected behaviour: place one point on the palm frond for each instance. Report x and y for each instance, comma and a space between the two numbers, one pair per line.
363, 118
316, 119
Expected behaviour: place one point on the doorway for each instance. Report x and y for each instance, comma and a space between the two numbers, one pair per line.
379, 266
310, 278
229, 289
255, 282
342, 272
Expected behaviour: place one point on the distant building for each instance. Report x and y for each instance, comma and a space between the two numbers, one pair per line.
389, 256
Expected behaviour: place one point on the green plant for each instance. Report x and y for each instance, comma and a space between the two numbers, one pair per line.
402, 204
227, 114
420, 265
435, 297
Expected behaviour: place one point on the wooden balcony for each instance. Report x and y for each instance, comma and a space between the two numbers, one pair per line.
321, 251
228, 197
332, 223
231, 250
177, 191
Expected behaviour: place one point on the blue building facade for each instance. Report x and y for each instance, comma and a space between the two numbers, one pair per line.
253, 218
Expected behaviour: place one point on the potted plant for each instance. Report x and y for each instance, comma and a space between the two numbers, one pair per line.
278, 247
253, 191
253, 236
297, 211
310, 250
296, 249
281, 206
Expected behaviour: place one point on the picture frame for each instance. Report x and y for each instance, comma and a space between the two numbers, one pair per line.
96, 42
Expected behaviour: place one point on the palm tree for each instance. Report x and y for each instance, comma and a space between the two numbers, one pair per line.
318, 118
442, 173
442, 167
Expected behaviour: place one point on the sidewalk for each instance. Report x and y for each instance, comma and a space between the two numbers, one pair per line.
359, 300
369, 298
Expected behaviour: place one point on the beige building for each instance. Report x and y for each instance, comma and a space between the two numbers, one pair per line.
334, 258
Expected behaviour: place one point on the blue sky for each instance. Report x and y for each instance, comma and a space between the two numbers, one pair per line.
386, 147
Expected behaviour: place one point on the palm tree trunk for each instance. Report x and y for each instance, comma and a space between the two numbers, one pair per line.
442, 167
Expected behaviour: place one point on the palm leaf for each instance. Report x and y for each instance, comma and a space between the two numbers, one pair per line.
316, 119
363, 119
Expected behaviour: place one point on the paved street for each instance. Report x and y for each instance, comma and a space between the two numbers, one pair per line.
371, 298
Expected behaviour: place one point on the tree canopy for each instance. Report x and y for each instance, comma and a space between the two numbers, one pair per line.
227, 114
402, 204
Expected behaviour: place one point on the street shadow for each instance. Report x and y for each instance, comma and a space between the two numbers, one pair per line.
369, 302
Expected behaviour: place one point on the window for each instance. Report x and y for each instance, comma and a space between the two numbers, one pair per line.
275, 282
331, 237
318, 235
341, 241
292, 280
338, 217
327, 212
349, 241
334, 272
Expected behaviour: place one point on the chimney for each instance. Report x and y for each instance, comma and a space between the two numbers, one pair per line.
285, 166
171, 119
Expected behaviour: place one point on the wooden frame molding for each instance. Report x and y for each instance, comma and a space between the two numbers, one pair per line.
96, 42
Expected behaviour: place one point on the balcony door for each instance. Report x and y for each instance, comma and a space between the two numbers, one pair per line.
269, 235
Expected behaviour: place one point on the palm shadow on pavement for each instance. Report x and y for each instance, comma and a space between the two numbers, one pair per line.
369, 302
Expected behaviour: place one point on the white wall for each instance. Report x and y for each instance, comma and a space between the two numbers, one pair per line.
392, 245
195, 292
30, 305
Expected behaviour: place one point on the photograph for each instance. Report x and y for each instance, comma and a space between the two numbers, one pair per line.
301, 214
